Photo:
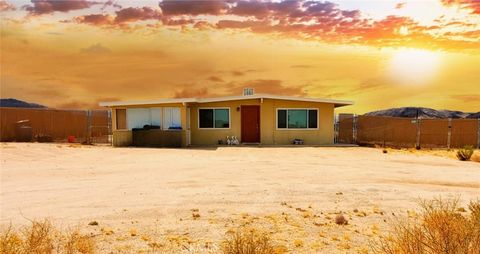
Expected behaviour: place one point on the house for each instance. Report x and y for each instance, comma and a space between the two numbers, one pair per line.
252, 118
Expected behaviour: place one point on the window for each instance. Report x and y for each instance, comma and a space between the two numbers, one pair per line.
214, 118
138, 117
297, 118
121, 116
164, 117
171, 118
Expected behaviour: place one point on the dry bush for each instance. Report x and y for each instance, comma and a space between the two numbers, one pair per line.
465, 153
247, 241
440, 228
41, 237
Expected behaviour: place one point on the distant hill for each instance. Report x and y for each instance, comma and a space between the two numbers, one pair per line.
14, 103
411, 112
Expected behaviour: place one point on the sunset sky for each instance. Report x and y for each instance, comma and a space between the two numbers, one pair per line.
380, 54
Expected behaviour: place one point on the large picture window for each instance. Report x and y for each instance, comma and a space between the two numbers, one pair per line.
167, 118
297, 118
214, 118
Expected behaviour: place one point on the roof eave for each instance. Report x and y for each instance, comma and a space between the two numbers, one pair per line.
134, 103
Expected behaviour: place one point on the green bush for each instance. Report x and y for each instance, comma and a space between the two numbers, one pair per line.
465, 153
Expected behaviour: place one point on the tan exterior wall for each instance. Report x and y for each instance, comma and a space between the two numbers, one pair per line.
211, 136
269, 135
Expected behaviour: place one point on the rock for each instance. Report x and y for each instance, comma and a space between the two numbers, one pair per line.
341, 220
93, 223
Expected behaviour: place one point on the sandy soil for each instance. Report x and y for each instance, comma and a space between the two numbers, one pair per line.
292, 193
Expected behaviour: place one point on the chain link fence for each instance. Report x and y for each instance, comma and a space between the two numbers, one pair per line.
407, 132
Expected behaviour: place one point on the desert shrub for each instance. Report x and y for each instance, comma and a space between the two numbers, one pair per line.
440, 228
247, 241
42, 237
38, 238
465, 153
10, 241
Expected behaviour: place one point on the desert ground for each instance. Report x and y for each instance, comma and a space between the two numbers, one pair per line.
187, 200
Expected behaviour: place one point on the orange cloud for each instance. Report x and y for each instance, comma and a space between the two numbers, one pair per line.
215, 79
193, 93
5, 6
473, 5
96, 49
268, 86
132, 14
198, 7
467, 97
95, 19
41, 7
306, 20
400, 5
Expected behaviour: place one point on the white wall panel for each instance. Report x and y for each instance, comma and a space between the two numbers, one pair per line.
171, 117
156, 116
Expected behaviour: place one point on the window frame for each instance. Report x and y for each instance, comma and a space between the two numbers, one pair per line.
214, 128
303, 129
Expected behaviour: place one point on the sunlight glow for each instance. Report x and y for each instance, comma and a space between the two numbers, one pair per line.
414, 66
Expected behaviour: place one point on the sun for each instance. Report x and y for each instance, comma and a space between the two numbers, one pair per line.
414, 66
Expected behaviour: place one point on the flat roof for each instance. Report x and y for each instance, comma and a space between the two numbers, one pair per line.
337, 103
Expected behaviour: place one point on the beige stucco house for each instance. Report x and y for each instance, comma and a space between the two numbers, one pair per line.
257, 119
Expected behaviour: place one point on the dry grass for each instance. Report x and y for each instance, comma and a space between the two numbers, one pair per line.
440, 228
42, 237
247, 241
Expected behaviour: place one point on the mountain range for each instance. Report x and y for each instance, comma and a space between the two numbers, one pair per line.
411, 112
14, 103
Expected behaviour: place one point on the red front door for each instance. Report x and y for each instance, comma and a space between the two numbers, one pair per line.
250, 124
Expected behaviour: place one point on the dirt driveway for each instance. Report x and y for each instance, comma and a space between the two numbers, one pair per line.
292, 192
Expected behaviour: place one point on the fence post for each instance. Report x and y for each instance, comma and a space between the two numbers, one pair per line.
478, 133
417, 143
89, 127
354, 131
449, 134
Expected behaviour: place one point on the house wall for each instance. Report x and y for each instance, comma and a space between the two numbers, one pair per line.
269, 135
211, 136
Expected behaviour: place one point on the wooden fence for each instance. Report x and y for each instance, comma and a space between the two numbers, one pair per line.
408, 132
84, 125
